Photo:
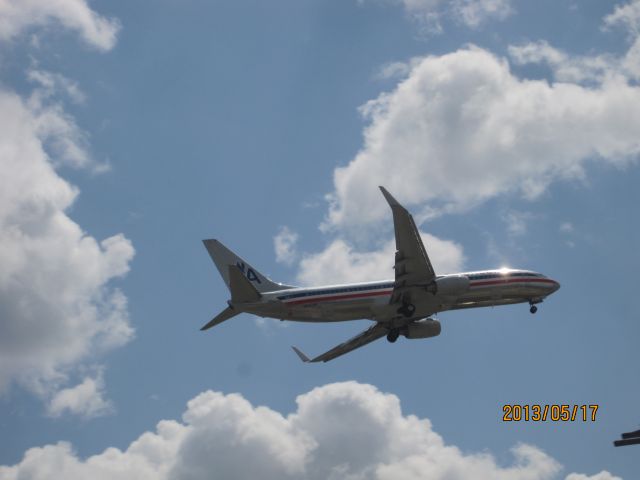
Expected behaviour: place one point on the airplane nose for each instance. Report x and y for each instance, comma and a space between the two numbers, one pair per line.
555, 286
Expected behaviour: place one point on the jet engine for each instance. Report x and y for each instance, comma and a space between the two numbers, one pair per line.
422, 329
451, 285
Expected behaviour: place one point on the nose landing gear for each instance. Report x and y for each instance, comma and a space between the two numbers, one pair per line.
532, 305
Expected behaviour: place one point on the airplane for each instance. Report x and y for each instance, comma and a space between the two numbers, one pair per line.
402, 306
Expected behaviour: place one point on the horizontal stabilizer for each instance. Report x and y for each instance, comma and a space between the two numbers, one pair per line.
226, 314
626, 441
242, 291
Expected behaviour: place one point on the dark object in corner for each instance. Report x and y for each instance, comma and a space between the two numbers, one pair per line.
629, 438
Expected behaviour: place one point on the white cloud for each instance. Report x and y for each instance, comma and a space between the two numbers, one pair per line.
17, 16
566, 227
590, 69
517, 222
627, 16
51, 83
427, 13
461, 129
57, 307
472, 13
393, 70
340, 430
284, 244
340, 263
536, 52
85, 399
631, 61
475, 12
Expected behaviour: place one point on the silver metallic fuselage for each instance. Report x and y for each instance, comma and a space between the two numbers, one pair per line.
399, 307
370, 300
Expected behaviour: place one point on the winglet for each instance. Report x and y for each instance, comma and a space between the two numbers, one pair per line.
302, 356
392, 201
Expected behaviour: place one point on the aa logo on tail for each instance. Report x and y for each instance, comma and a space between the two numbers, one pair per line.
248, 272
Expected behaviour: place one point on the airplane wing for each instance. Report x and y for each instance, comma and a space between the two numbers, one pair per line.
412, 265
373, 333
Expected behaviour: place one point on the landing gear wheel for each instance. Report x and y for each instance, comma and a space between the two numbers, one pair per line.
393, 335
533, 309
407, 310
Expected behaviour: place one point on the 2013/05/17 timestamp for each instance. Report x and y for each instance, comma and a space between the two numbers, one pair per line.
544, 413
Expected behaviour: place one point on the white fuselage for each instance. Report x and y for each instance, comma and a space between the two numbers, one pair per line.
370, 300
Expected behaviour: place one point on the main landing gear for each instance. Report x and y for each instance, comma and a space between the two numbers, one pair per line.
393, 335
407, 310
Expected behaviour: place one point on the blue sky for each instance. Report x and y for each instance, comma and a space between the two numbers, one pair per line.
132, 130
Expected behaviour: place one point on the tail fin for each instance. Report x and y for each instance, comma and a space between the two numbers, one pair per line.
223, 258
242, 291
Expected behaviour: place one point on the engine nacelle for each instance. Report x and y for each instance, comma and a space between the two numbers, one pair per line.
452, 285
422, 329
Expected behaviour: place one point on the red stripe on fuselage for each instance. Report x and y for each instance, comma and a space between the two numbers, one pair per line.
340, 297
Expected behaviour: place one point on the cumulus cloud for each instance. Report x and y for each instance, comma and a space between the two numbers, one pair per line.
462, 128
339, 262
17, 16
57, 307
85, 399
340, 430
284, 244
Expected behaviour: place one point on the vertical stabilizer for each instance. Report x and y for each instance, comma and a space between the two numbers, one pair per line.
223, 258
242, 290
